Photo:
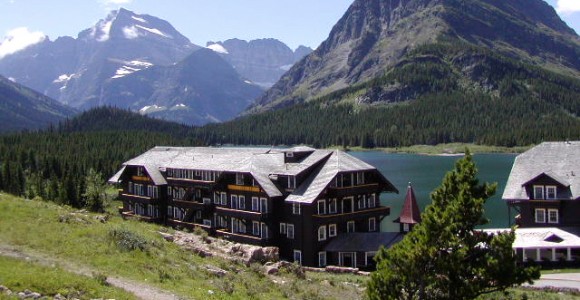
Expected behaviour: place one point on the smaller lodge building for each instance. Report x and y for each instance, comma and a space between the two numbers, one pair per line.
544, 189
319, 207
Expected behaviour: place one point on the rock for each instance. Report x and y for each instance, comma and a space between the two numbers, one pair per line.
336, 269
271, 270
35, 295
168, 237
216, 271
59, 297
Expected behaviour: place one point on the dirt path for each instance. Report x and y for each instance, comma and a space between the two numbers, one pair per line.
141, 290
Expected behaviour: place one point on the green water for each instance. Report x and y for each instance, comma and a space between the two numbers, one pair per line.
426, 173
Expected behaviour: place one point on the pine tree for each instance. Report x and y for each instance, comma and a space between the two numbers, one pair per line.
94, 195
446, 257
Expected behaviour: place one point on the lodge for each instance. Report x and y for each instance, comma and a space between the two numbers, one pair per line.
314, 205
543, 189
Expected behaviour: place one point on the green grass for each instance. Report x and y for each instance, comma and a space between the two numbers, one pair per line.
19, 275
136, 251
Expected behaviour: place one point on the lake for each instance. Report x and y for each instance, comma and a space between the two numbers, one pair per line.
426, 173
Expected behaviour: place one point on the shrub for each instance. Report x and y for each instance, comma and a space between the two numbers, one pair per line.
127, 240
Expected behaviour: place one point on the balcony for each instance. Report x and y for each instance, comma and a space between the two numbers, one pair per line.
360, 214
132, 215
241, 238
188, 225
190, 182
242, 214
191, 204
339, 192
138, 199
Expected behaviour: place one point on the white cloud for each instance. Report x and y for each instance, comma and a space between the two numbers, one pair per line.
18, 39
568, 6
116, 2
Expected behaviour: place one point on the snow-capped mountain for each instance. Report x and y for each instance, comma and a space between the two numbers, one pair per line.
74, 70
263, 61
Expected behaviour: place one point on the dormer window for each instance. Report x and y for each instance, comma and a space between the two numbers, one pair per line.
289, 154
538, 192
551, 192
291, 182
139, 171
239, 179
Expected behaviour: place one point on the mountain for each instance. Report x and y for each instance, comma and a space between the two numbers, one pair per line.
262, 61
74, 70
22, 108
377, 38
203, 88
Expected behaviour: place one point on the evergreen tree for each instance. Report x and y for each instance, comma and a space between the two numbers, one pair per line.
95, 196
445, 257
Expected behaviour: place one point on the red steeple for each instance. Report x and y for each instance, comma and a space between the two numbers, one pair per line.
410, 213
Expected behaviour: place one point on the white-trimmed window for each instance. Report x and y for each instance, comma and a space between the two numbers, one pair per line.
362, 202
255, 228
331, 230
322, 259
291, 182
207, 222
372, 201
290, 231
255, 204
551, 192
298, 256
224, 199
360, 178
538, 192
406, 227
350, 226
198, 215
264, 231
242, 202
553, 215
296, 208
239, 178
369, 256
234, 201
282, 228
372, 224
322, 233
216, 198
322, 207
540, 215
332, 206
264, 205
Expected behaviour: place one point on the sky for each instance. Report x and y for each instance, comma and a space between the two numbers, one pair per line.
295, 22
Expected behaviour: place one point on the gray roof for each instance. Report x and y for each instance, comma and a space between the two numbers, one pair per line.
558, 160
324, 165
363, 241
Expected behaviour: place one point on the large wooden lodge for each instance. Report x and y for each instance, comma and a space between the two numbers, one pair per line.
298, 199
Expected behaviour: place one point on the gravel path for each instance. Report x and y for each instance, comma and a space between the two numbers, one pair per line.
141, 290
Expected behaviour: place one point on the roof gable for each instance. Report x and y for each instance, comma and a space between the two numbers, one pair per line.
410, 214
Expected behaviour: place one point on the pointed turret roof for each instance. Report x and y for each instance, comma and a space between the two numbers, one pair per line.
410, 214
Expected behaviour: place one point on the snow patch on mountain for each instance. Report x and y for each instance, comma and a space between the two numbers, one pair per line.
151, 109
218, 48
286, 67
64, 78
131, 32
154, 31
130, 67
139, 19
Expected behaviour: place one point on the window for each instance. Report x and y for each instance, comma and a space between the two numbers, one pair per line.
234, 201
350, 226
256, 228
322, 259
406, 227
152, 192
207, 222
289, 154
291, 182
360, 178
264, 231
198, 214
372, 201
538, 192
298, 256
540, 215
321, 207
263, 205
332, 230
362, 202
332, 206
216, 198
206, 201
553, 215
551, 192
282, 228
322, 233
255, 204
239, 179
369, 257
372, 224
130, 188
242, 202
197, 193
170, 211
140, 171
290, 231
224, 199
296, 208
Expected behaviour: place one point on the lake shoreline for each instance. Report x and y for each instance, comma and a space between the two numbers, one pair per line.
453, 149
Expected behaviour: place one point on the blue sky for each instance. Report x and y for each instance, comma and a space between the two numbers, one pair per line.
296, 22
